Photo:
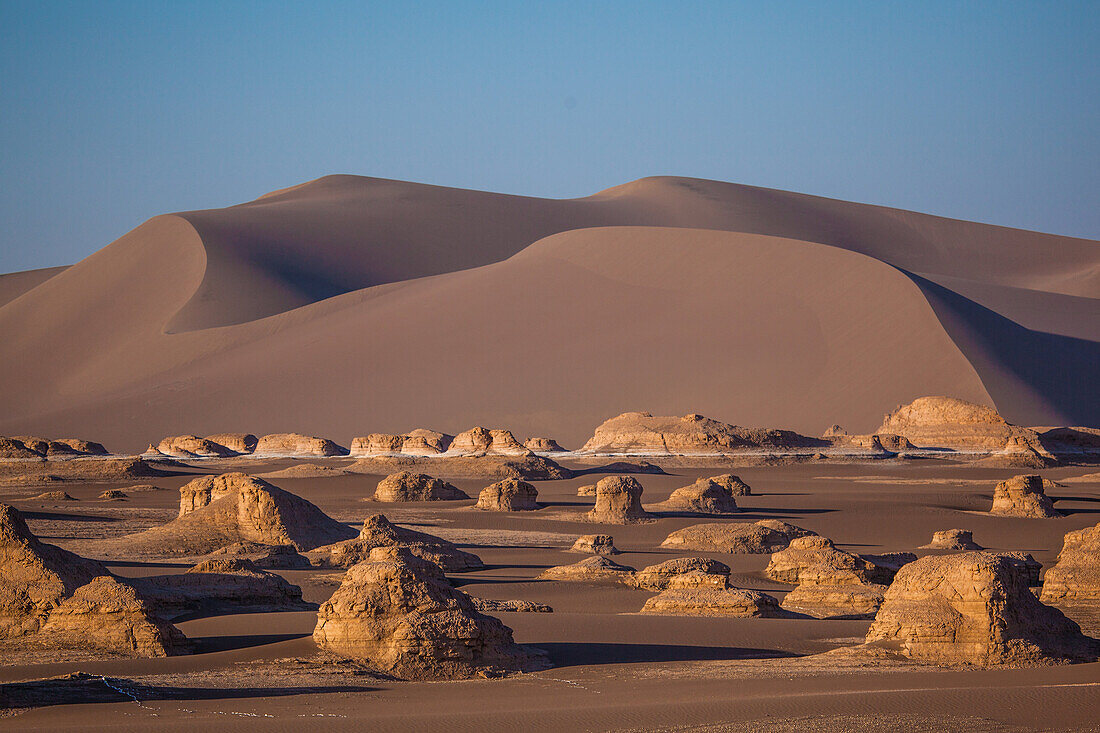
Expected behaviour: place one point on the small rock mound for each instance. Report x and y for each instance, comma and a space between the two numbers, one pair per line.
618, 501
543, 445
304, 470
509, 495
380, 532
113, 495
733, 602
831, 595
973, 608
488, 605
765, 536
705, 496
595, 569
733, 484
657, 577
1023, 496
595, 544
293, 444
278, 557
820, 555
482, 440
586, 490
399, 613
1075, 578
52, 496
953, 539
409, 486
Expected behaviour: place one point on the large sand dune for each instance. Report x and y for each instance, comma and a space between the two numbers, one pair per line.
352, 305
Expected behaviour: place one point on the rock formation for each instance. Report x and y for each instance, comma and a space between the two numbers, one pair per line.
293, 444
946, 422
408, 486
734, 602
220, 584
12, 449
1075, 578
765, 536
586, 490
488, 605
732, 484
595, 544
380, 532
508, 495
641, 433
618, 501
528, 467
834, 595
277, 557
952, 539
820, 555
79, 468
657, 577
419, 442
53, 496
1022, 496
192, 446
595, 569
543, 445
26, 447
973, 608
481, 440
399, 613
239, 443
113, 495
705, 496
217, 511
304, 470
1029, 566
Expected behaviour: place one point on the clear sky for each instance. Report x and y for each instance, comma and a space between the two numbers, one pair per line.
113, 112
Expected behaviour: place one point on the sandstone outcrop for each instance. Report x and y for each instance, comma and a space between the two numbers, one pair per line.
595, 544
595, 569
399, 613
488, 605
239, 443
818, 554
380, 532
528, 467
543, 445
482, 440
827, 595
113, 616
408, 486
27, 447
79, 468
705, 496
304, 470
765, 536
277, 557
509, 495
419, 442
192, 446
733, 602
973, 608
12, 449
946, 422
113, 495
586, 490
293, 444
641, 433
657, 577
733, 484
1075, 578
220, 584
1023, 496
952, 539
1028, 565
217, 511
53, 496
618, 501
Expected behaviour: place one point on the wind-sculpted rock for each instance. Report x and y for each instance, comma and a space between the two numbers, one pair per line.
27, 447
732, 484
218, 511
239, 443
192, 446
13, 449
408, 486
113, 495
488, 605
705, 496
543, 445
641, 433
946, 422
400, 614
277, 557
419, 442
1075, 578
974, 608
618, 501
595, 544
953, 539
509, 495
1023, 496
293, 444
220, 584
586, 490
380, 532
821, 556
834, 595
695, 601
482, 440
528, 466
657, 577
595, 569
765, 536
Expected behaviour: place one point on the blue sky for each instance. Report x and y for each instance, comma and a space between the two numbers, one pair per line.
113, 112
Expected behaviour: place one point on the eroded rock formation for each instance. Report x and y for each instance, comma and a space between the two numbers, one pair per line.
705, 496
595, 544
595, 569
419, 442
618, 501
657, 577
221, 584
765, 536
1075, 578
1023, 496
947, 422
818, 554
480, 440
543, 445
192, 446
408, 486
952, 539
644, 434
509, 495
528, 467
293, 444
695, 601
380, 532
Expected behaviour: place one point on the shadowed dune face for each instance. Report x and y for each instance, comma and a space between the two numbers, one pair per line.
419, 305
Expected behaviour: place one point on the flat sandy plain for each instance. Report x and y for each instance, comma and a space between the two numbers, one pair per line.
614, 669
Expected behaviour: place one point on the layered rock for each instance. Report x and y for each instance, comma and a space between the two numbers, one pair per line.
705, 496
642, 433
380, 532
409, 486
946, 422
217, 511
618, 501
595, 569
12, 449
1075, 578
973, 608
733, 602
586, 490
826, 594
192, 446
488, 605
528, 466
1023, 496
482, 440
293, 444
113, 495
399, 613
952, 539
595, 544
765, 536
221, 584
819, 555
732, 484
543, 445
277, 557
27, 447
509, 495
239, 443
419, 442
657, 577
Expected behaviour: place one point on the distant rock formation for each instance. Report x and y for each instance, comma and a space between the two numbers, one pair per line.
1023, 496
1075, 578
277, 557
419, 442
509, 495
946, 422
595, 569
240, 443
543, 445
53, 496
732, 484
641, 433
222, 584
758, 538
78, 468
399, 613
595, 544
618, 501
408, 486
733, 602
973, 608
817, 553
26, 447
840, 595
304, 470
705, 496
293, 444
657, 577
480, 440
528, 467
217, 511
953, 539
586, 490
192, 446
113, 495
380, 532
488, 605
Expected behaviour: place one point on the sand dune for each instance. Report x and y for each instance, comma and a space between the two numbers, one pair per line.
352, 305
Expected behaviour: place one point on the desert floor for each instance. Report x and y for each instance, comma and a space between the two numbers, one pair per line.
614, 668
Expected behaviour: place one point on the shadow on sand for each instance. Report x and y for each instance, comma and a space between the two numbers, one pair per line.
572, 654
